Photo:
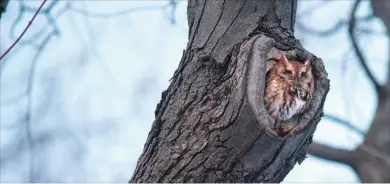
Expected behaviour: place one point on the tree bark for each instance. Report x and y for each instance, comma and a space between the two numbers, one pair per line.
211, 124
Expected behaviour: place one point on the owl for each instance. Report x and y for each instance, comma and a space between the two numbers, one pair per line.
289, 88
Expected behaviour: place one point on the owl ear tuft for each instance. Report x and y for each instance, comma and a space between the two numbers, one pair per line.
283, 59
307, 63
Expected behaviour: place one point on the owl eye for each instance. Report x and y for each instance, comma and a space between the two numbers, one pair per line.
303, 74
287, 72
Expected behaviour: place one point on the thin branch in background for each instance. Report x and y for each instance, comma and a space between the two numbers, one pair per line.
370, 32
359, 54
333, 154
29, 117
327, 32
375, 153
24, 31
18, 19
345, 123
115, 14
173, 5
33, 40
3, 6
381, 10
344, 156
31, 147
92, 46
334, 29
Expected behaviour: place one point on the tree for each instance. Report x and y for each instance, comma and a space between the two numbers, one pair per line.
211, 124
371, 159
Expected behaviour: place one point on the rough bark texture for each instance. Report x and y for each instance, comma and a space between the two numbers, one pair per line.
371, 159
211, 125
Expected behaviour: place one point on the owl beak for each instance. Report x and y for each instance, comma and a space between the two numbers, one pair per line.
303, 95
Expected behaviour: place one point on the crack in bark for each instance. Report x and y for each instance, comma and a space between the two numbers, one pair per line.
233, 21
197, 25
215, 26
257, 173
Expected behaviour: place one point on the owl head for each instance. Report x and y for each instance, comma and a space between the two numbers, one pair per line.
295, 73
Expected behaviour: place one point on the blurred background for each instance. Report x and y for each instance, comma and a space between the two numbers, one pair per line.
78, 92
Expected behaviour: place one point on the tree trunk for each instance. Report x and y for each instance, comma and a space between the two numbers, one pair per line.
211, 124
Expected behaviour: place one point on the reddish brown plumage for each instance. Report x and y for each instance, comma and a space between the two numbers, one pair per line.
289, 88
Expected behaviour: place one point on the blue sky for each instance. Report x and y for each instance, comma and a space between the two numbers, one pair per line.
97, 85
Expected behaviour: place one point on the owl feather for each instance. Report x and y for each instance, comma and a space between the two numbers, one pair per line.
289, 88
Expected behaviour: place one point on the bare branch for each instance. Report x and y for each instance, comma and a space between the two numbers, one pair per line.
173, 4
32, 41
24, 31
3, 6
327, 32
343, 122
375, 153
381, 10
29, 118
333, 154
330, 31
115, 14
362, 60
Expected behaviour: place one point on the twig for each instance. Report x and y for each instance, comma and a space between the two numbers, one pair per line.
173, 4
362, 60
333, 154
24, 31
40, 34
18, 19
30, 85
346, 123
334, 29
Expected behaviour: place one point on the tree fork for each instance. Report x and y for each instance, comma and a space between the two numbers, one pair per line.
211, 124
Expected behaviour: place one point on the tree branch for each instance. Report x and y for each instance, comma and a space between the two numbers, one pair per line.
333, 154
118, 13
359, 54
39, 35
381, 10
388, 77
334, 29
343, 122
3, 6
24, 31
327, 32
